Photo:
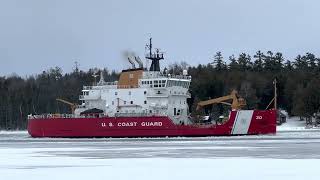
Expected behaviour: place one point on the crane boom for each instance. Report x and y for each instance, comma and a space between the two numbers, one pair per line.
237, 103
72, 105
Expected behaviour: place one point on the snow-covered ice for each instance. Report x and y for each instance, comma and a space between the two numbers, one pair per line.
293, 124
287, 155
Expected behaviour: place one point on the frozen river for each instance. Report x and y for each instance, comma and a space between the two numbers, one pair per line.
292, 155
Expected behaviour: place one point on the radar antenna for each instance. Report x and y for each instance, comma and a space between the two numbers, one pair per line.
95, 75
154, 57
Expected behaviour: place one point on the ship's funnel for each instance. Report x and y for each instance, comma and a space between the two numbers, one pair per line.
132, 63
138, 60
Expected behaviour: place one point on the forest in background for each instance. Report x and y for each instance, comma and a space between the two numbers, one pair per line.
298, 85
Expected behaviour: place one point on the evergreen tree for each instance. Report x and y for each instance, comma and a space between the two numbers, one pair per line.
258, 63
288, 65
311, 60
233, 65
269, 61
278, 61
301, 63
244, 62
218, 62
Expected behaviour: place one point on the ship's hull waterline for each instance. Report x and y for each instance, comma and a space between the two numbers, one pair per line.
241, 122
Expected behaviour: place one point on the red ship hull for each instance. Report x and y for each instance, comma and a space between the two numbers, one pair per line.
249, 122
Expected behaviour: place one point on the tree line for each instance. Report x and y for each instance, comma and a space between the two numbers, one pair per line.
298, 81
252, 75
37, 94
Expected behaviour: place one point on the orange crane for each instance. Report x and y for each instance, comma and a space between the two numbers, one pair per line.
72, 105
237, 103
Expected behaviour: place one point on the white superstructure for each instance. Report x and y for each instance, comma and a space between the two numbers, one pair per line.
140, 92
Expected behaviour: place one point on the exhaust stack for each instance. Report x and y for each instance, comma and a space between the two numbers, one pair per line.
138, 60
132, 63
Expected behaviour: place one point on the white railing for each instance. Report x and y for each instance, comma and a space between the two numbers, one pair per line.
157, 75
180, 77
137, 114
87, 87
100, 115
65, 116
104, 85
126, 87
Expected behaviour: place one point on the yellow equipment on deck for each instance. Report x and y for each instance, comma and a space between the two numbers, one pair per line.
72, 105
237, 103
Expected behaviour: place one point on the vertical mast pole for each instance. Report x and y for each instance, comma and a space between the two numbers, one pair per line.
150, 50
275, 93
150, 47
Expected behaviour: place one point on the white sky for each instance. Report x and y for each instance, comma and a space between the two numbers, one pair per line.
38, 34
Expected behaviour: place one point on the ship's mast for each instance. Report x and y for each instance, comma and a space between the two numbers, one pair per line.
275, 93
155, 57
274, 99
150, 47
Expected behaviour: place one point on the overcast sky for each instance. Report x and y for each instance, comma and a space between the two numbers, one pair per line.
38, 34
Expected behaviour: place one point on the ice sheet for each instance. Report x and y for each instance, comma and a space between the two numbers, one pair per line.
287, 155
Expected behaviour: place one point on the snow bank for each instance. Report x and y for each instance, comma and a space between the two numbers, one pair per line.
13, 132
294, 124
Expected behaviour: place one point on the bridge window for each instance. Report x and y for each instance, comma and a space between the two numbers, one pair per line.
163, 84
156, 83
131, 102
169, 83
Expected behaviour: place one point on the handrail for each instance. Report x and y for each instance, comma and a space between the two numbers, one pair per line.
106, 84
65, 116
149, 76
96, 115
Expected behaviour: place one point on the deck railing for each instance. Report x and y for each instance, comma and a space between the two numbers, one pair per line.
96, 115
65, 116
149, 76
